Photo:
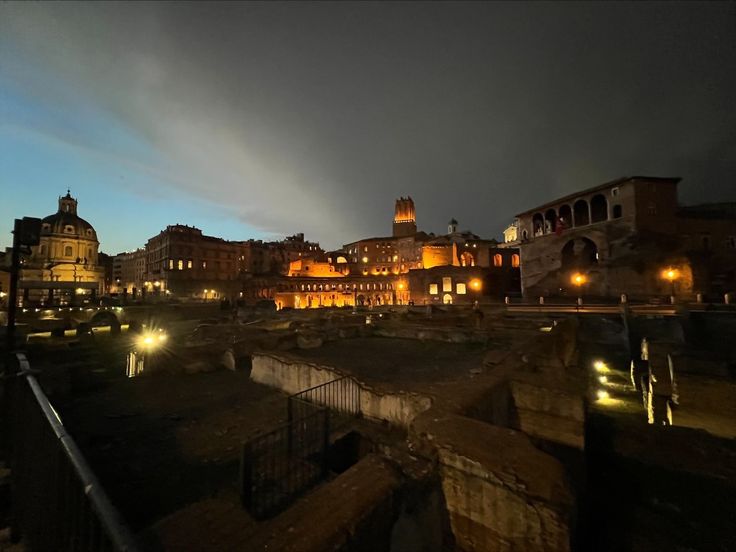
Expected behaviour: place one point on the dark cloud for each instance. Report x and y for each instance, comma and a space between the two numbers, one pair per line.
316, 116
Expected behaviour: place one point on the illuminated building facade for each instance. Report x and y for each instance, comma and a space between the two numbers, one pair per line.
64, 268
395, 269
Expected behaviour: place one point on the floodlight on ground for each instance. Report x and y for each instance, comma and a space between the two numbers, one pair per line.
601, 367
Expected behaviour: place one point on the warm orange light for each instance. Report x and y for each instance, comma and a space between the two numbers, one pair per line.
578, 279
475, 283
401, 285
670, 274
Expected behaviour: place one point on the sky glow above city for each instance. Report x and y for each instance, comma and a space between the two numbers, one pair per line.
262, 120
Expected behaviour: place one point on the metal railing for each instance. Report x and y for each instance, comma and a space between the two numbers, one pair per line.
278, 466
57, 501
341, 396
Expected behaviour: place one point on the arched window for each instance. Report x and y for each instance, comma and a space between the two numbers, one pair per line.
537, 224
515, 260
598, 208
565, 220
582, 215
497, 260
617, 211
550, 221
68, 251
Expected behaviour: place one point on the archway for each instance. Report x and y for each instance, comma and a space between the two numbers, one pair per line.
581, 213
598, 208
565, 220
579, 254
447, 299
106, 318
466, 259
537, 224
550, 221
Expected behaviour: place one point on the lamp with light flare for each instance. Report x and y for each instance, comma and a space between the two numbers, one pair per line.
578, 279
151, 340
600, 366
475, 284
602, 395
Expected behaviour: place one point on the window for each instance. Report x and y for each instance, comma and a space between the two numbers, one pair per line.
180, 264
460, 288
652, 208
515, 260
68, 251
433, 289
446, 283
497, 260
69, 229
171, 264
89, 253
189, 263
614, 192
617, 211
204, 264
43, 250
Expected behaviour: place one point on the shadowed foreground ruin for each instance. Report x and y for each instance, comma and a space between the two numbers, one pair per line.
470, 434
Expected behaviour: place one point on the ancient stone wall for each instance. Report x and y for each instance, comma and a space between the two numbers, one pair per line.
292, 376
501, 492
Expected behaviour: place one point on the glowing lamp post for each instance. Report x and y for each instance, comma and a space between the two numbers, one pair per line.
579, 280
671, 274
475, 284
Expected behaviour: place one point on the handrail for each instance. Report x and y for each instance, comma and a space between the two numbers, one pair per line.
110, 519
311, 389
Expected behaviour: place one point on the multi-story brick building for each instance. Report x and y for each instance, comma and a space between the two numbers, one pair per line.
623, 236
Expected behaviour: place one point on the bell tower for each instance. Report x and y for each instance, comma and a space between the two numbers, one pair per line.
405, 219
67, 204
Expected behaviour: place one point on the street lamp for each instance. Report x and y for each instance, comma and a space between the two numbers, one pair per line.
476, 284
671, 274
579, 279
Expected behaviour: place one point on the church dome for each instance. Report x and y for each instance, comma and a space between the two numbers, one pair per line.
66, 221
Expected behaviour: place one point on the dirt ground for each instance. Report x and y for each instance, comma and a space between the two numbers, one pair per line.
398, 364
159, 442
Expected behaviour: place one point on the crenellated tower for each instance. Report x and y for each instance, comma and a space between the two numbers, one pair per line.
405, 218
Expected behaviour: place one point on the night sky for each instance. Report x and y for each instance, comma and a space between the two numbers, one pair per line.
261, 120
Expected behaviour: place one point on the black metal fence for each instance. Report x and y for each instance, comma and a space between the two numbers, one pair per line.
278, 466
57, 502
341, 396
